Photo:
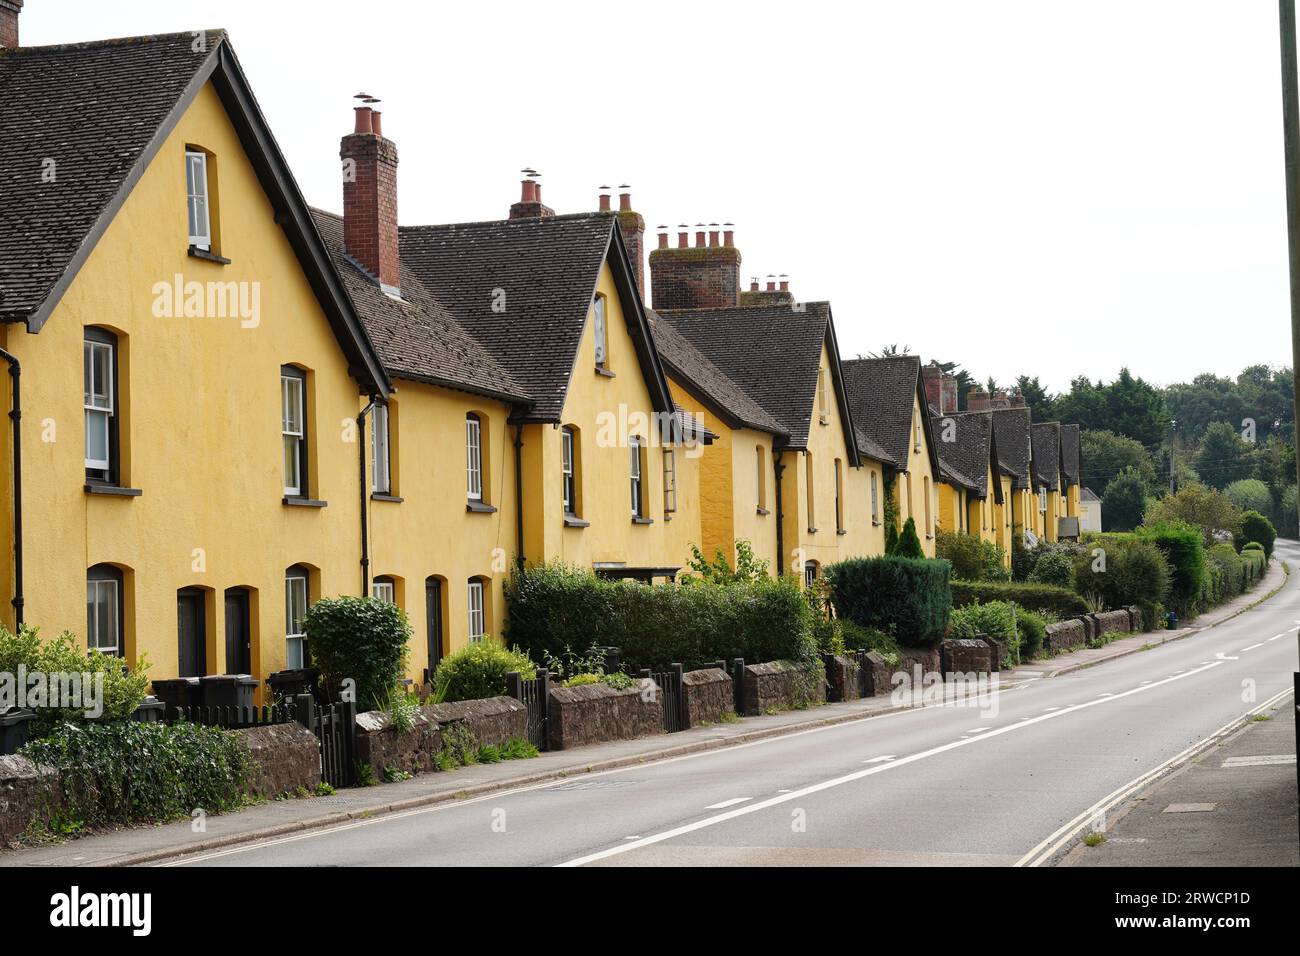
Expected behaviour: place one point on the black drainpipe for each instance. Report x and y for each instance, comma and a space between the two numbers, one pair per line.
365, 511
16, 416
519, 497
779, 467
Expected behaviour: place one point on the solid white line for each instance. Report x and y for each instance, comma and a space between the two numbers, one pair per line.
1252, 647
1048, 710
881, 759
854, 776
1107, 694
1047, 849
727, 803
1277, 637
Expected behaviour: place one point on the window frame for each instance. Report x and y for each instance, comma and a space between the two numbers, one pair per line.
292, 576
473, 456
477, 611
810, 569
384, 588
760, 478
670, 482
810, 481
294, 378
600, 331
569, 470
875, 500
96, 340
198, 240
97, 578
636, 476
381, 453
839, 497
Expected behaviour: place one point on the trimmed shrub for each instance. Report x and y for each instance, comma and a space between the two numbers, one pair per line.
909, 597
909, 545
1033, 632
1253, 546
362, 639
1054, 567
554, 609
1036, 597
859, 638
123, 772
1135, 572
1020, 632
479, 670
972, 558
123, 687
1182, 547
1227, 572
1254, 564
1255, 527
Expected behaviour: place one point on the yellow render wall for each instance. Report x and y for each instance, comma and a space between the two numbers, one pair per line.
911, 487
200, 422
607, 411
430, 533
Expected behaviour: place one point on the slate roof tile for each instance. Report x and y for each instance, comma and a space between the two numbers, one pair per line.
882, 393
1012, 429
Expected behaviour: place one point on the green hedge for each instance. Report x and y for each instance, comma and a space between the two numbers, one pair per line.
908, 597
554, 609
359, 639
1135, 571
1183, 549
123, 772
972, 558
479, 670
1256, 527
1035, 597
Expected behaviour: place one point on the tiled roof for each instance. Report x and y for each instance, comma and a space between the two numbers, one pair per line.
772, 353
882, 393
1070, 466
710, 384
1012, 431
966, 458
1047, 453
544, 270
417, 338
1087, 494
93, 110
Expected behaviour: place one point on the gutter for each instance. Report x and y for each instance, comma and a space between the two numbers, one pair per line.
779, 468
365, 504
15, 416
519, 497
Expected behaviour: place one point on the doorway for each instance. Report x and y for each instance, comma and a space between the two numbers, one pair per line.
239, 647
191, 633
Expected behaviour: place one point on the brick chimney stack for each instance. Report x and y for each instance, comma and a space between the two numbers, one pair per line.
977, 400
369, 197
932, 379
703, 276
999, 400
633, 227
948, 393
1017, 399
530, 199
9, 10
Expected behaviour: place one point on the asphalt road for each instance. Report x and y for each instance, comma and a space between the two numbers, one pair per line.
956, 785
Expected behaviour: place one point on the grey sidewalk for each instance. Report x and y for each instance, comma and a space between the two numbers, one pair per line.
1233, 806
144, 844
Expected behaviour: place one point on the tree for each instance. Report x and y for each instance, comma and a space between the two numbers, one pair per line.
1255, 527
1224, 457
909, 545
1040, 404
1205, 508
1128, 406
1105, 454
1250, 494
1124, 502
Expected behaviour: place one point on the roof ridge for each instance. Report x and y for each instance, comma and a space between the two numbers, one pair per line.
564, 217
220, 33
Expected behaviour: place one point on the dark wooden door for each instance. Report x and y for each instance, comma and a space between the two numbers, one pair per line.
239, 649
433, 614
192, 653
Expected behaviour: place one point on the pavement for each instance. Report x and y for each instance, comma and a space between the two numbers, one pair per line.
1232, 806
799, 749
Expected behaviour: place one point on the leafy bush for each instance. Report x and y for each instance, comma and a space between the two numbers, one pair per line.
719, 570
1255, 527
1211, 512
479, 670
995, 619
1250, 494
123, 687
1033, 632
859, 638
1253, 564
908, 597
1054, 567
553, 607
125, 772
909, 545
1035, 597
972, 558
1135, 571
1227, 574
1181, 544
362, 639
1253, 546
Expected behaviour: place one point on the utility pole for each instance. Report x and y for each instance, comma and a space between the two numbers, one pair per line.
1291, 153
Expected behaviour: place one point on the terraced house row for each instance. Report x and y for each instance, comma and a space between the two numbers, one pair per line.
281, 402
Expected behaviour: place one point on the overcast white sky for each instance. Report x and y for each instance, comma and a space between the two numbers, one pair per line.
952, 176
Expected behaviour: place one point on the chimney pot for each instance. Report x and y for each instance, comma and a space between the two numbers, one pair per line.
529, 191
785, 285
604, 202
364, 123
728, 234
663, 239
753, 285
713, 234
683, 236
625, 198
